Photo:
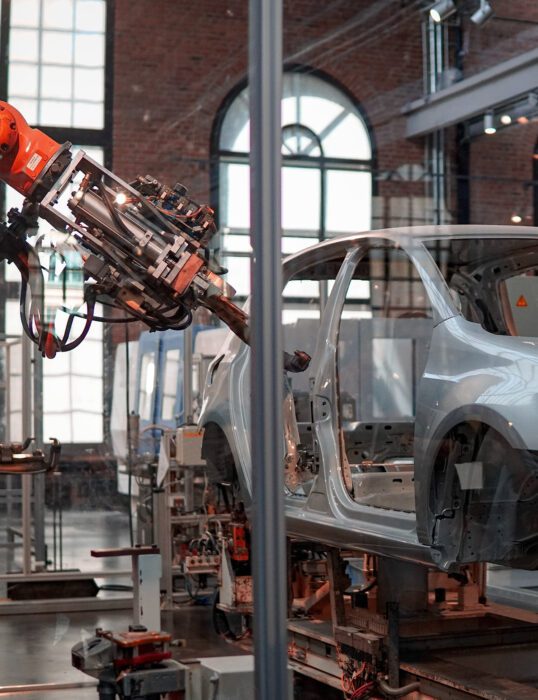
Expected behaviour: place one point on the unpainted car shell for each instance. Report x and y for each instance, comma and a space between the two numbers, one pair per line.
471, 375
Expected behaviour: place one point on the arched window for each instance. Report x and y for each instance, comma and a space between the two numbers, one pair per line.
326, 176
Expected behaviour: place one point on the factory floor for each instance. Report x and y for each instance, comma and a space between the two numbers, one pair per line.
35, 648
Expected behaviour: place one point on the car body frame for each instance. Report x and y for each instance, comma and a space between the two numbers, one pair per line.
473, 473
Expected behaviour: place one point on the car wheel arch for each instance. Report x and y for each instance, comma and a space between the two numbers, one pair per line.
478, 418
466, 521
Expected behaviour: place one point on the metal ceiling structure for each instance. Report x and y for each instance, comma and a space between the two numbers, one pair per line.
473, 96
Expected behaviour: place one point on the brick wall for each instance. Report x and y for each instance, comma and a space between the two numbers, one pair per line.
175, 63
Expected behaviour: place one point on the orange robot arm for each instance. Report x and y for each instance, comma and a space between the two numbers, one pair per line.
147, 242
24, 152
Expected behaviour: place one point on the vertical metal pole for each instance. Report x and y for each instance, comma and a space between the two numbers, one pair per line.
26, 432
393, 644
187, 376
269, 544
39, 479
7, 437
163, 538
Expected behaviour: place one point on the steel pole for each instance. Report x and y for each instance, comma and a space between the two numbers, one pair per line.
27, 428
39, 479
187, 376
269, 544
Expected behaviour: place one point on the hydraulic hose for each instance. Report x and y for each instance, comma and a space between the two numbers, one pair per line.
397, 692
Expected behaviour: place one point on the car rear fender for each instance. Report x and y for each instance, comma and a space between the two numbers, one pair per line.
484, 417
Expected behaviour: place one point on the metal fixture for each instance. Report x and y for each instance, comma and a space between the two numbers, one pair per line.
484, 12
442, 10
269, 568
489, 126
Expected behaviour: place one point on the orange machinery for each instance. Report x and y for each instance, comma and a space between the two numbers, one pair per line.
145, 245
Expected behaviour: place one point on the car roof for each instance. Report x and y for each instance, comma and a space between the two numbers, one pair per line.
420, 233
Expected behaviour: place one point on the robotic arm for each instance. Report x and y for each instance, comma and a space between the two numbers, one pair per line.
146, 244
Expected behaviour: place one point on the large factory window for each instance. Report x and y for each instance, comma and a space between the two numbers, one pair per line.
57, 61
54, 73
326, 175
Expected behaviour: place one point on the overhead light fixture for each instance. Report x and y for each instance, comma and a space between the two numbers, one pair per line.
516, 218
441, 10
505, 119
489, 126
484, 12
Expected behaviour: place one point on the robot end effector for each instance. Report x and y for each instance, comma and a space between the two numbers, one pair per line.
145, 244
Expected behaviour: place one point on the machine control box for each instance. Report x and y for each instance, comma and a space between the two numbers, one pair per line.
189, 446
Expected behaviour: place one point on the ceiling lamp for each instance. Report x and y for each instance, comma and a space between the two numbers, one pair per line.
506, 119
484, 12
442, 9
489, 126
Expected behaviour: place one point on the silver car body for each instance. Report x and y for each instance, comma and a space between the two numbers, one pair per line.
471, 377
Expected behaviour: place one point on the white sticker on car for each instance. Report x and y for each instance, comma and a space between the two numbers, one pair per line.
471, 475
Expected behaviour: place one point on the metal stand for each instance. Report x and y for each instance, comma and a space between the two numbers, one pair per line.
135, 665
146, 574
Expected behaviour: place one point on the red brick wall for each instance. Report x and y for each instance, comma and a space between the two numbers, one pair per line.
175, 62
512, 30
168, 88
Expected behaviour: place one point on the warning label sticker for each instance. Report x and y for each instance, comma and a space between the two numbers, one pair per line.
521, 302
34, 161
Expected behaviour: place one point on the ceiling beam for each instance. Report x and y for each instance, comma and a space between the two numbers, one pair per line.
473, 96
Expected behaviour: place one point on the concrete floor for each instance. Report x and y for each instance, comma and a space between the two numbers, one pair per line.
36, 648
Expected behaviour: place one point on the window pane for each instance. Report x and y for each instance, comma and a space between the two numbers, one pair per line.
22, 80
147, 385
57, 47
235, 196
236, 244
349, 196
170, 383
58, 14
348, 138
57, 113
322, 107
89, 84
73, 392
238, 273
26, 107
13, 321
291, 244
89, 50
60, 45
301, 189
87, 115
23, 45
90, 15
234, 135
307, 289
56, 82
25, 13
